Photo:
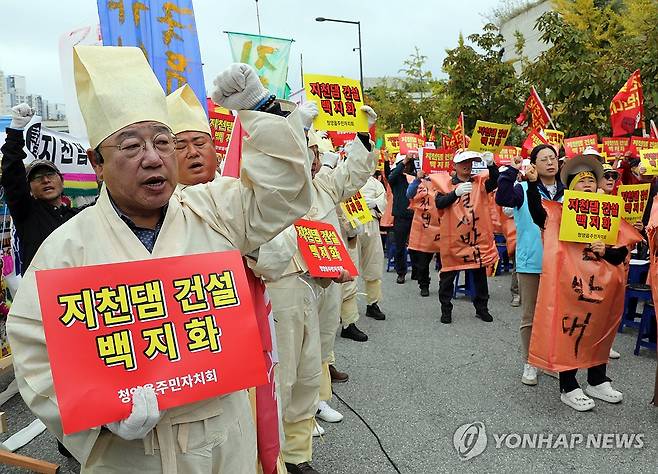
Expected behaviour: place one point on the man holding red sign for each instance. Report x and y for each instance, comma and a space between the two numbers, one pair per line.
137, 218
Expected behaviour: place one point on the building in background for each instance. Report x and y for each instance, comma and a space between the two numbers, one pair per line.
4, 97
16, 89
522, 19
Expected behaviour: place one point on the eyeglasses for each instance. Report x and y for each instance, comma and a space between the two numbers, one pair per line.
611, 175
546, 159
40, 176
133, 148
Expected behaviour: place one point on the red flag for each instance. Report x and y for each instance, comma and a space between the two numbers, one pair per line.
267, 421
433, 133
539, 117
458, 134
534, 138
627, 107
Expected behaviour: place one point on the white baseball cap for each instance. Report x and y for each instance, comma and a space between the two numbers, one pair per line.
465, 155
399, 158
590, 150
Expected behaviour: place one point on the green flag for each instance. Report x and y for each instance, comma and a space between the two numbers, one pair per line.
268, 55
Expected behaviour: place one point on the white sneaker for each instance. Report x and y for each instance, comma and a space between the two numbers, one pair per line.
318, 430
328, 414
614, 354
516, 301
551, 373
605, 392
529, 375
577, 400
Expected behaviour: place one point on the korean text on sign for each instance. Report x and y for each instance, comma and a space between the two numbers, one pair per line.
489, 136
322, 249
356, 210
436, 160
576, 145
587, 217
339, 101
635, 198
148, 322
649, 159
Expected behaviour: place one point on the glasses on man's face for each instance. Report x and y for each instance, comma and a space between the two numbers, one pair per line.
611, 175
133, 148
39, 176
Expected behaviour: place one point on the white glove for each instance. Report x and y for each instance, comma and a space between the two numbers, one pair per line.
308, 111
355, 231
508, 211
464, 188
488, 158
329, 158
238, 88
370, 113
21, 116
371, 204
143, 417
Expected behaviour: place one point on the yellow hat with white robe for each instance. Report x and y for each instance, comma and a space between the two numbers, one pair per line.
186, 113
116, 87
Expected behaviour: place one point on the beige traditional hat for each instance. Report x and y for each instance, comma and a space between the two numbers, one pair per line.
186, 113
116, 87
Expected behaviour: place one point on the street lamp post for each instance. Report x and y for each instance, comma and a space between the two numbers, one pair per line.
358, 25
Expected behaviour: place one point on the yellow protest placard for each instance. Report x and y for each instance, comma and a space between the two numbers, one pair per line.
356, 210
339, 102
635, 198
489, 136
554, 137
392, 142
587, 217
649, 159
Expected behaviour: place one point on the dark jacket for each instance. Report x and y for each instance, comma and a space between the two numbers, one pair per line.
398, 181
34, 219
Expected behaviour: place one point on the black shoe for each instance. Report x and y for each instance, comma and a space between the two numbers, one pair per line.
302, 468
373, 311
63, 451
354, 333
486, 317
424, 291
400, 279
337, 376
446, 318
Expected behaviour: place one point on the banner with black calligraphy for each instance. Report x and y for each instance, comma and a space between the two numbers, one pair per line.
184, 326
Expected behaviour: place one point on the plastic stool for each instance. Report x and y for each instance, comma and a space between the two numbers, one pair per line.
634, 294
646, 329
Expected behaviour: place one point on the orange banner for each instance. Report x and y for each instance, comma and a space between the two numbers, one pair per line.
467, 240
581, 297
425, 227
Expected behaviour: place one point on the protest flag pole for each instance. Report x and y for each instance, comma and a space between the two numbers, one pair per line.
258, 18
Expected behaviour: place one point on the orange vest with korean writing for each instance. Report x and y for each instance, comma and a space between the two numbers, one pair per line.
580, 300
425, 227
467, 240
387, 218
503, 224
652, 230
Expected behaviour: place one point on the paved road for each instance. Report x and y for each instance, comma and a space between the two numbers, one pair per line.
416, 381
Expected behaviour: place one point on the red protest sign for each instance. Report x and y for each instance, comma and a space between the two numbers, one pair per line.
339, 139
322, 249
506, 155
183, 325
644, 143
436, 160
576, 145
221, 126
410, 142
615, 145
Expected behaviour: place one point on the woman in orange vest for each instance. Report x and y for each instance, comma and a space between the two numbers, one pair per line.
575, 329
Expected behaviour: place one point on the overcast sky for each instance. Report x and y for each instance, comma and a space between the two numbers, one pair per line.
390, 29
